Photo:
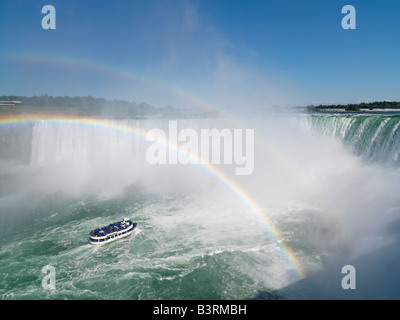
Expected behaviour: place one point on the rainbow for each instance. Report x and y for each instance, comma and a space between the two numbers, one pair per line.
232, 185
108, 70
68, 62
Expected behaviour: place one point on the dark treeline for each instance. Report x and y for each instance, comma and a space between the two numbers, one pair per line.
359, 106
83, 105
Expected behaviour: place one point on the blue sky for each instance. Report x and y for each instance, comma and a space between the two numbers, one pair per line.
216, 53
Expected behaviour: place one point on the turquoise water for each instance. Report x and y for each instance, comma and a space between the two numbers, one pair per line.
161, 260
195, 238
376, 138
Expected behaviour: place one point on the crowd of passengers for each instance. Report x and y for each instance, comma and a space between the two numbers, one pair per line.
106, 230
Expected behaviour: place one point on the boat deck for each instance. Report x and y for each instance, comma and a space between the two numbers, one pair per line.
111, 228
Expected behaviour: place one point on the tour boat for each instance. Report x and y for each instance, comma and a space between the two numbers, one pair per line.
112, 232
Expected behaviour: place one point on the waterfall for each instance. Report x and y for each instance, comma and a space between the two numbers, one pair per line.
374, 138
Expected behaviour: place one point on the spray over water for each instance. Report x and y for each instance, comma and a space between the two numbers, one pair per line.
332, 196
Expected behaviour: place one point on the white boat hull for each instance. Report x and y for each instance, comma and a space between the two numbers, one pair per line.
111, 237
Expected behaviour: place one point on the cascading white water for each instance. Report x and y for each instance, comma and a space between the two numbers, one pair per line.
331, 206
78, 156
374, 137
115, 153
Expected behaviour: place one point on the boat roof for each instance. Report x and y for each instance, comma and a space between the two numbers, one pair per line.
112, 227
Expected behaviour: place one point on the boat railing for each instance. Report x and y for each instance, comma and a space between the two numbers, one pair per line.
110, 229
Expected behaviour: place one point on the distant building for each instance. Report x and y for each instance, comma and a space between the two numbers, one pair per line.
9, 103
